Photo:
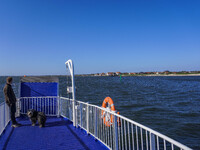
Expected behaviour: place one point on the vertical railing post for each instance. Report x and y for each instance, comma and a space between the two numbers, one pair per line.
71, 110
69, 102
76, 115
87, 117
4, 119
58, 106
19, 104
95, 115
115, 133
152, 141
81, 122
70, 65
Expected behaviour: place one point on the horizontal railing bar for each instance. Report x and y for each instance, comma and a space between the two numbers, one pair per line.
48, 115
40, 97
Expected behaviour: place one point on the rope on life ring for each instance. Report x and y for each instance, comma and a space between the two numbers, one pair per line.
108, 119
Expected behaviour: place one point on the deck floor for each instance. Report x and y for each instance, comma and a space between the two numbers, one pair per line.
58, 133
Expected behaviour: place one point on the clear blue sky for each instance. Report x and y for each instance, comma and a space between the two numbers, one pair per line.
38, 36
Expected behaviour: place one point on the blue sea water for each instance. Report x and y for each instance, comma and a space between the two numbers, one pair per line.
168, 104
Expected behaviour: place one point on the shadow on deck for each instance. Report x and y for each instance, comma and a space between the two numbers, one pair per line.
58, 133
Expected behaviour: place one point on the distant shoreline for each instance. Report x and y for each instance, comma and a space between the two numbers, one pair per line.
176, 75
123, 75
153, 75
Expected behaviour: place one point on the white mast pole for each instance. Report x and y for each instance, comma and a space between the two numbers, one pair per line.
69, 64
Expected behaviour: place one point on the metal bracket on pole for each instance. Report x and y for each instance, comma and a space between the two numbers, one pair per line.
70, 66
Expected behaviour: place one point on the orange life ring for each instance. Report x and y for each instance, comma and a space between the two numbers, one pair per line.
108, 119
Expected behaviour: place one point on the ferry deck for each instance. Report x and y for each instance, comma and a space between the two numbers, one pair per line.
73, 124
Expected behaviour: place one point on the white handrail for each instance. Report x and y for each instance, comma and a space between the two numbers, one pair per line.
89, 117
131, 122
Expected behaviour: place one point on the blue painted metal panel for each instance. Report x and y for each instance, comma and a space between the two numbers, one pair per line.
38, 89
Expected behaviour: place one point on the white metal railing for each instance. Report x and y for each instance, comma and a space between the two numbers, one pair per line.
122, 134
4, 116
48, 105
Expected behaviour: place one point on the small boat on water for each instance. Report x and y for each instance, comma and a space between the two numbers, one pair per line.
73, 124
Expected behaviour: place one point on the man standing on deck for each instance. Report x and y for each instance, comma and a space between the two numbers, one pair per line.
10, 101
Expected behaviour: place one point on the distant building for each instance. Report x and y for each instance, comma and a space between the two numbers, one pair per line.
166, 72
185, 72
97, 74
111, 74
117, 73
132, 73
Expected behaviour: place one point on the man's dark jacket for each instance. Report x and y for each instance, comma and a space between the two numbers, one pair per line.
9, 94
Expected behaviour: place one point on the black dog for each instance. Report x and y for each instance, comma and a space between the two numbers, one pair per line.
35, 115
